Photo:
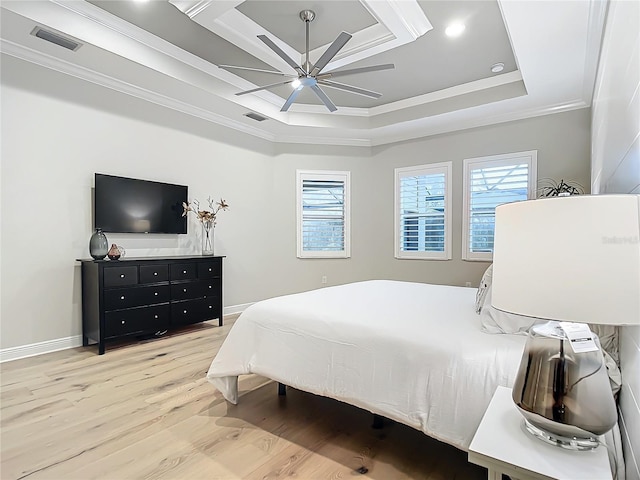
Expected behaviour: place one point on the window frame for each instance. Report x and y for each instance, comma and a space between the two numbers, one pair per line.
324, 175
530, 157
427, 169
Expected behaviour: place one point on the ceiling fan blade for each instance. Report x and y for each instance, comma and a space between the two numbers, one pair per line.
351, 71
291, 99
250, 69
323, 96
350, 88
266, 87
331, 52
269, 43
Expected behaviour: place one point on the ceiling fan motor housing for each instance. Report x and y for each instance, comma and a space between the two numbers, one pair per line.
307, 15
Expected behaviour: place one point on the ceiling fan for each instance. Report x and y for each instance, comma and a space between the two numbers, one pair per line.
311, 76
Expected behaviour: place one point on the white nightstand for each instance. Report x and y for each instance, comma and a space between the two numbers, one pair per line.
502, 446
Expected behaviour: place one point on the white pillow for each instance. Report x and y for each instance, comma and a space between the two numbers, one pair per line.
485, 284
497, 321
608, 335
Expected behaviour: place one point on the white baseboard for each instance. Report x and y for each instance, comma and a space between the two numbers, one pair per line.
24, 351
233, 309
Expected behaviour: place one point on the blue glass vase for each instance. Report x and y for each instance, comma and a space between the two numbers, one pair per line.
98, 245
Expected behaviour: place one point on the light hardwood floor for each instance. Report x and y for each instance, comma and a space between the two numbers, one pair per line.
144, 410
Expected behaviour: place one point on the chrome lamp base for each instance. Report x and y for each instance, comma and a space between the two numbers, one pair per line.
564, 397
570, 443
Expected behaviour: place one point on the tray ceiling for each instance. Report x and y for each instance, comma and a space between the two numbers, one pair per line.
168, 52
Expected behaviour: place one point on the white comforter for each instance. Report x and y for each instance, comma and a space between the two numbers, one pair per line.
408, 351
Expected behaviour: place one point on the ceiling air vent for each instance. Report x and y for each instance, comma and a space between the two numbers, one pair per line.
255, 116
56, 38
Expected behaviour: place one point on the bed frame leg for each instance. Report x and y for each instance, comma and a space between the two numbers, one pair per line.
377, 421
282, 389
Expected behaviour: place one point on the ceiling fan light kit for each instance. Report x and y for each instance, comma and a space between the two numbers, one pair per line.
310, 75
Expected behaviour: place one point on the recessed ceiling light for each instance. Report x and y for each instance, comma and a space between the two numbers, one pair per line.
497, 67
455, 29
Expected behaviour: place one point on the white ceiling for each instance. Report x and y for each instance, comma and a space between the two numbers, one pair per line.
168, 52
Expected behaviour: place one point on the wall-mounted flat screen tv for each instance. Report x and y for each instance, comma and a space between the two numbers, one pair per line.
129, 205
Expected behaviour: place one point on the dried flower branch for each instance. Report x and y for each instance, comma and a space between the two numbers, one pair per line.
205, 216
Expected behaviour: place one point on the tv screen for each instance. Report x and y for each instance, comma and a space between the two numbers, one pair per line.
128, 205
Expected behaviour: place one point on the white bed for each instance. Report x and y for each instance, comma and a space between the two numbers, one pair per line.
411, 352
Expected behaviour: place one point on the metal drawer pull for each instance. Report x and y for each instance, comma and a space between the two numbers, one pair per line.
155, 293
184, 311
210, 286
184, 290
122, 275
184, 271
122, 322
155, 316
210, 306
155, 274
209, 268
122, 297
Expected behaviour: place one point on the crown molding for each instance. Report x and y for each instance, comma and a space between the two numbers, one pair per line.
398, 23
191, 8
83, 73
463, 89
147, 49
324, 140
459, 120
376, 137
311, 124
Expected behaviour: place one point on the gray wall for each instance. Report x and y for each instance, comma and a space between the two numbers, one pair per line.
562, 142
57, 131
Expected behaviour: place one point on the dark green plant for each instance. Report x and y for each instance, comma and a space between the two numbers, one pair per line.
551, 188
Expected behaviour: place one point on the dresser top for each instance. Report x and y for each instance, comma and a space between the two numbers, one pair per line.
146, 259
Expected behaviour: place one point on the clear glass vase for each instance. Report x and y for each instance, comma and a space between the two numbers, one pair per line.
207, 237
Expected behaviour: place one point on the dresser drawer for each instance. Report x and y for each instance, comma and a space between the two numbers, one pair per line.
192, 311
211, 287
119, 298
191, 290
135, 320
183, 271
209, 308
154, 273
209, 269
185, 291
120, 276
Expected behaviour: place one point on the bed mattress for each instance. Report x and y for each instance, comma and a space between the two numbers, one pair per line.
412, 352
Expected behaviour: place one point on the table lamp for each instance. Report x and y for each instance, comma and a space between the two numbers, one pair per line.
567, 259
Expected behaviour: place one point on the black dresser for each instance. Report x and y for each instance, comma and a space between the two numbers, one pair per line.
138, 296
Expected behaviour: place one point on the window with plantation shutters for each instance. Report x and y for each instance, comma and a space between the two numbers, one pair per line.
323, 214
423, 212
489, 182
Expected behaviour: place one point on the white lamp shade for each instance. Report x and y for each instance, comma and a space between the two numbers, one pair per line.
573, 259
